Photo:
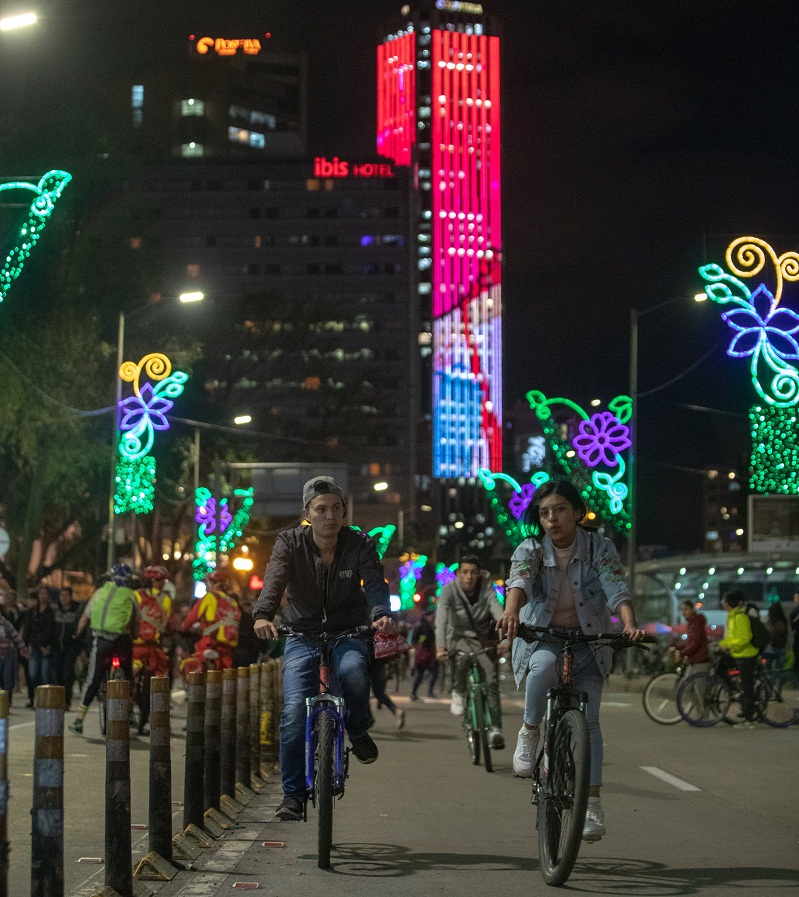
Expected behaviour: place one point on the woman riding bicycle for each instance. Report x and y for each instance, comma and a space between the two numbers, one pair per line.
571, 578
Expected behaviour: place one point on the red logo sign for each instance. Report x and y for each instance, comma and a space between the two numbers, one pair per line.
336, 168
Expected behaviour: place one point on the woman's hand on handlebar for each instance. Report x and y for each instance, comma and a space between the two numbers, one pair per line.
266, 629
508, 624
386, 625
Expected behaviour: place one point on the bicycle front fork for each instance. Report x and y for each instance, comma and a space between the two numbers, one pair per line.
559, 700
334, 706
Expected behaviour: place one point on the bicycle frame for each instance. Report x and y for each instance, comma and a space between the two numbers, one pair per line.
325, 702
476, 682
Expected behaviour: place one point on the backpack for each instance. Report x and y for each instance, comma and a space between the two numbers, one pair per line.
760, 635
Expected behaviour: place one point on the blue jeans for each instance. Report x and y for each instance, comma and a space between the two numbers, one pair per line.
543, 674
350, 658
38, 671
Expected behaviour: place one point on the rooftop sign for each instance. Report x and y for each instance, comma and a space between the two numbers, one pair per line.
336, 168
223, 46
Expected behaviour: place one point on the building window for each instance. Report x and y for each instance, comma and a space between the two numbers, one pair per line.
192, 108
192, 150
249, 138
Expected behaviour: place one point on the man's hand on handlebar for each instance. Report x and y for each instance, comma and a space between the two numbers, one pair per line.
386, 625
266, 629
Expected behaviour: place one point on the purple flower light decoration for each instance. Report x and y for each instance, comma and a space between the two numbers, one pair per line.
520, 500
601, 439
761, 324
146, 405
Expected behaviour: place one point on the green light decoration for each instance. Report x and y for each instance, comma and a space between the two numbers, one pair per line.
135, 485
214, 519
410, 572
775, 450
46, 192
382, 536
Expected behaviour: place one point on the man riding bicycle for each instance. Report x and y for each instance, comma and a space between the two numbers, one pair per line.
155, 615
112, 614
334, 582
216, 615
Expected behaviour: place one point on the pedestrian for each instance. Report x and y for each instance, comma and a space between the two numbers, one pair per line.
467, 609
777, 647
567, 577
38, 632
741, 653
378, 676
249, 647
67, 645
424, 660
12, 647
333, 582
694, 650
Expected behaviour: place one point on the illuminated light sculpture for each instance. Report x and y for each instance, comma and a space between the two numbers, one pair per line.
140, 415
459, 175
775, 450
218, 528
47, 191
410, 573
382, 536
444, 574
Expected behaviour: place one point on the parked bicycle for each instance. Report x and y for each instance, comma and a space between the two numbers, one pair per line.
326, 757
477, 722
660, 695
562, 768
778, 693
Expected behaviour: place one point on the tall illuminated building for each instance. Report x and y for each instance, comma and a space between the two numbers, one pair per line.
438, 110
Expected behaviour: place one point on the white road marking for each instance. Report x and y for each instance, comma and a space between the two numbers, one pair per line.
670, 779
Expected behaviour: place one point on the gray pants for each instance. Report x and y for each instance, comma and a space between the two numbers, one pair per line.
460, 673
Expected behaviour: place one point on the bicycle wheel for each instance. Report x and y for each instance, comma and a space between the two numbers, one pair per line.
324, 786
660, 699
472, 736
778, 698
564, 798
703, 700
481, 729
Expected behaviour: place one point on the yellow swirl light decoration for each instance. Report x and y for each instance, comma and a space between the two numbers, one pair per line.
750, 253
156, 365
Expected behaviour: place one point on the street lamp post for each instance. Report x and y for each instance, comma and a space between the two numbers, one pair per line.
632, 481
111, 545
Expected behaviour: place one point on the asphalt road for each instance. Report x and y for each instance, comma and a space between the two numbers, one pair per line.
423, 820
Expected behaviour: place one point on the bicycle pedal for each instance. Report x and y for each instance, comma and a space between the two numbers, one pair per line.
592, 839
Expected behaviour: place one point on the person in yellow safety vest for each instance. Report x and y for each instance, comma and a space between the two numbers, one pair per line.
112, 614
216, 617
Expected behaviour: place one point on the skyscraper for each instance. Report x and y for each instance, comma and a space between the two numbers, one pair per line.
438, 110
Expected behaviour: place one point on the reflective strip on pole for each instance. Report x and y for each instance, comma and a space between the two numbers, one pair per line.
47, 813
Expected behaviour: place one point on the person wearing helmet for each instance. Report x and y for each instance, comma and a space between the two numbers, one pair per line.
111, 613
216, 617
155, 618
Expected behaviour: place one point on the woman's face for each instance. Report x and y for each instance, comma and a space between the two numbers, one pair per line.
558, 520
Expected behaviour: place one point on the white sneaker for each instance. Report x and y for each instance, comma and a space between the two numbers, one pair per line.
594, 826
457, 705
524, 755
497, 739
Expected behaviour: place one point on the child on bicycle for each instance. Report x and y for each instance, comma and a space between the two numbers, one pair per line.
571, 578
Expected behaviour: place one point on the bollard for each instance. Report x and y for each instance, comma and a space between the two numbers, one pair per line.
118, 869
47, 813
269, 747
243, 727
263, 718
255, 726
213, 712
160, 819
4, 704
195, 751
227, 767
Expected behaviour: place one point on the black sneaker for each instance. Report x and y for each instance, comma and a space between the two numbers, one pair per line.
291, 810
364, 748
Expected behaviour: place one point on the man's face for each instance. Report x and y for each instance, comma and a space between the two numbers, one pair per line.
65, 596
468, 574
326, 515
687, 611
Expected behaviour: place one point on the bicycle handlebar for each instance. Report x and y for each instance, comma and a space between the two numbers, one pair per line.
616, 640
357, 632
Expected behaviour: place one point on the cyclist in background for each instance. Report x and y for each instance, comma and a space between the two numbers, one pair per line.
333, 581
216, 616
470, 601
111, 613
741, 653
571, 578
694, 650
155, 619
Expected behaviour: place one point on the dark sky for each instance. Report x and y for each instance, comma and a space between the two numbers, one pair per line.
638, 140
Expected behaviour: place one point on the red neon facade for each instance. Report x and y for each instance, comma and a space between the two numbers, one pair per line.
463, 129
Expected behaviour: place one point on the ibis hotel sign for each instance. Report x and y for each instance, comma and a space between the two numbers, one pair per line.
338, 168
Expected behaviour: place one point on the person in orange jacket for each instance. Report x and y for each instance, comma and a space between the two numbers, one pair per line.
216, 617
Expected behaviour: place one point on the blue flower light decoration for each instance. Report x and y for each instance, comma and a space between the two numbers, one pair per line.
762, 327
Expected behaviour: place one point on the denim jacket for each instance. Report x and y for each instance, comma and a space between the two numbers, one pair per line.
597, 580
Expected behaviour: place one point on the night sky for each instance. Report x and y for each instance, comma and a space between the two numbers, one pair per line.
639, 139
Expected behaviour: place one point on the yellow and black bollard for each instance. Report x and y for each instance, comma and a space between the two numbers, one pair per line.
227, 764
243, 792
255, 727
118, 869
212, 730
195, 752
47, 813
4, 847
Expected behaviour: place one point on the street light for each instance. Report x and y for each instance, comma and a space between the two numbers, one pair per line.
632, 482
184, 298
10, 23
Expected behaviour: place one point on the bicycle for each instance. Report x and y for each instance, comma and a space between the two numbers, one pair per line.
705, 699
660, 695
114, 671
778, 694
562, 768
476, 715
326, 756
